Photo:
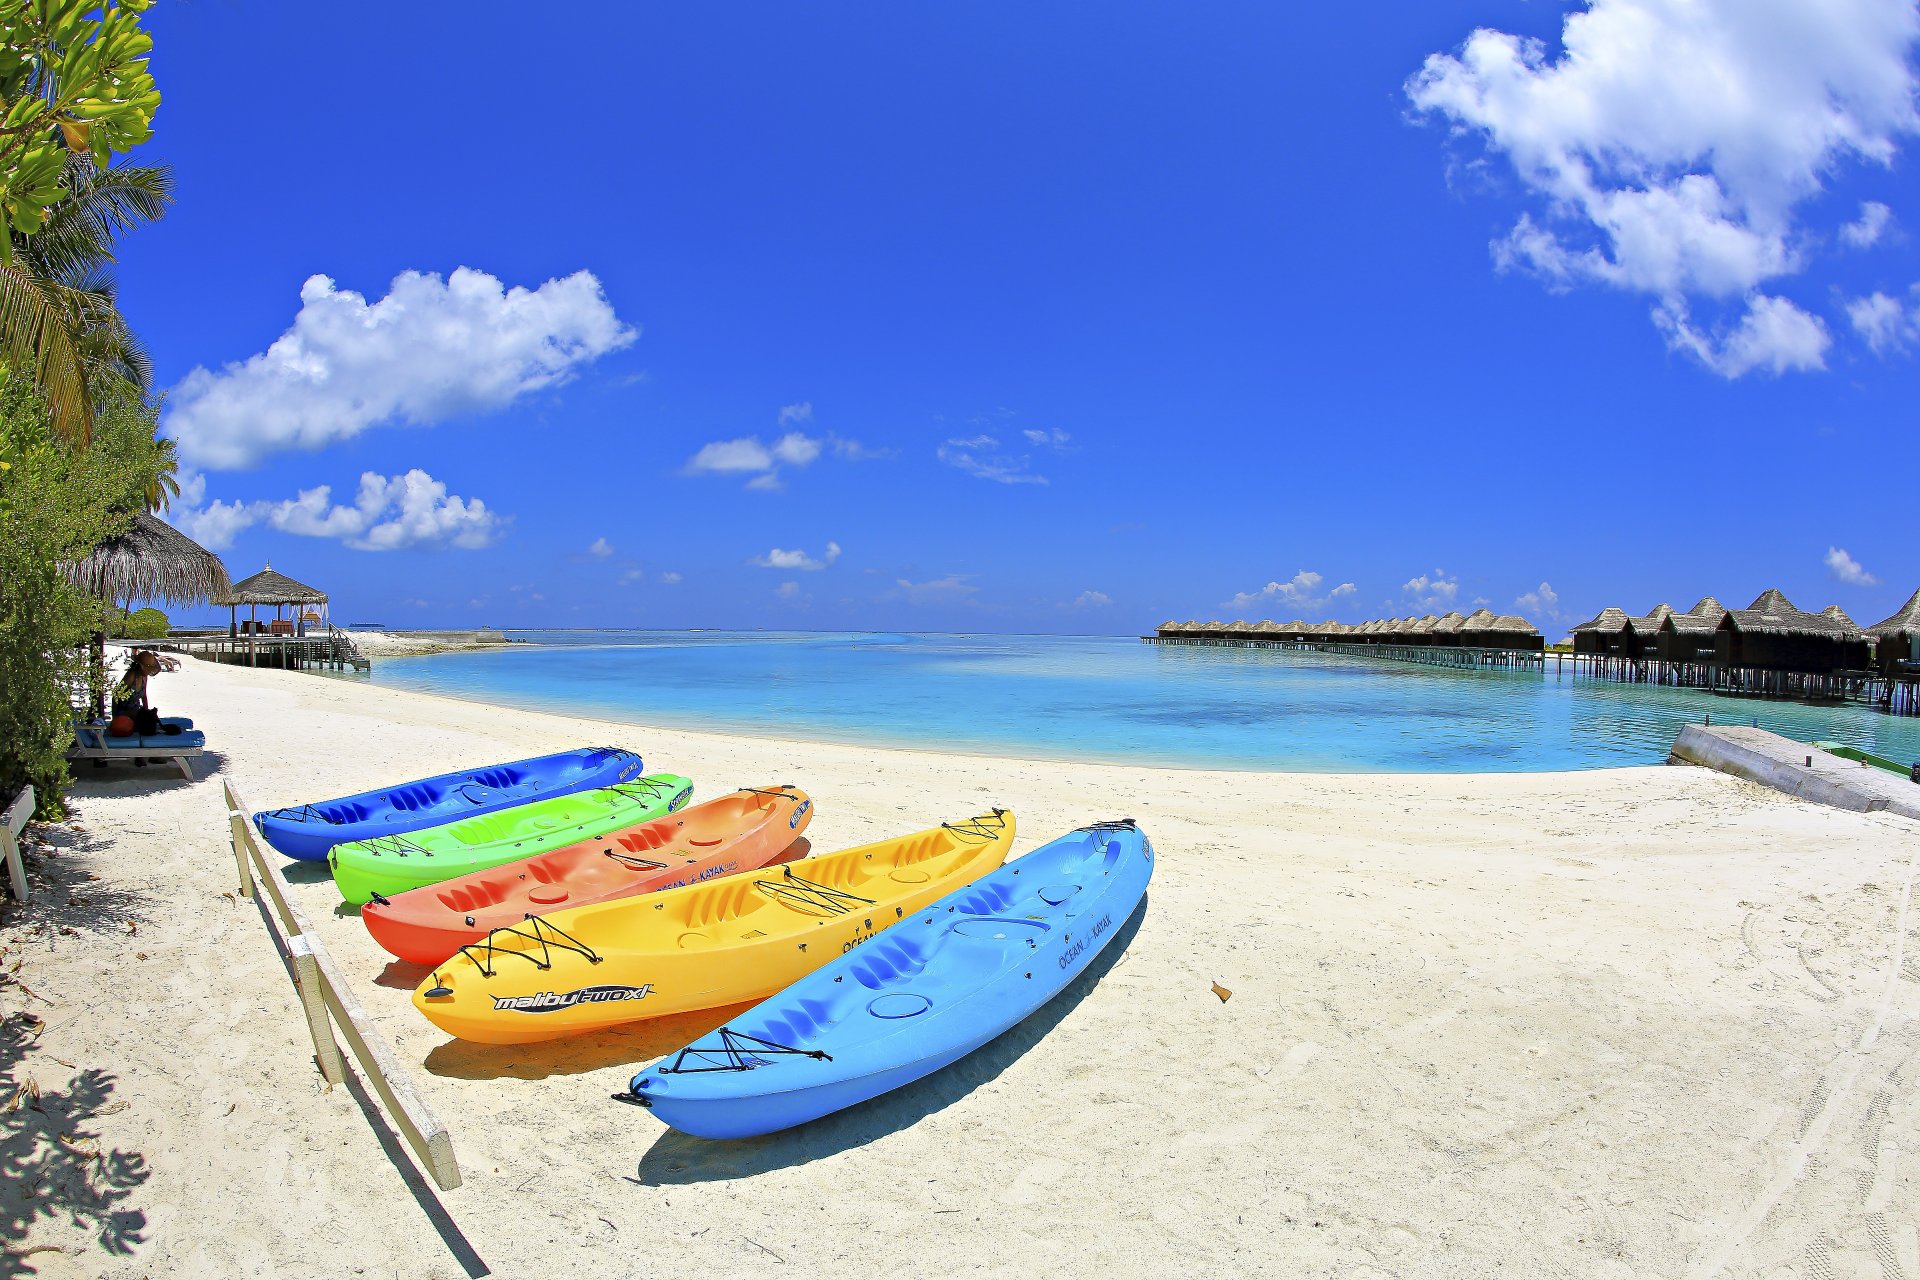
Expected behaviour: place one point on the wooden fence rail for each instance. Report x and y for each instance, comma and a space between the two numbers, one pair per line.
328, 1001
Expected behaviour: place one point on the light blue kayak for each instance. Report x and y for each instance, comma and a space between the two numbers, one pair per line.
929, 990
309, 831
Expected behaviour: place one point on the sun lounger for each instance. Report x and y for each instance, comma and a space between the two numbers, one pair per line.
93, 742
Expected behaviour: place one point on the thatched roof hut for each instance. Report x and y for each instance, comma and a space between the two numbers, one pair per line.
1775, 636
1600, 634
1446, 628
152, 560
1688, 637
1897, 638
1511, 631
1905, 621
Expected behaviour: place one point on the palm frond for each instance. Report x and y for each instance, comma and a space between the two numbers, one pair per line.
36, 335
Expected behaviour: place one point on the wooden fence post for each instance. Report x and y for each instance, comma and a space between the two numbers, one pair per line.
237, 832
18, 814
313, 998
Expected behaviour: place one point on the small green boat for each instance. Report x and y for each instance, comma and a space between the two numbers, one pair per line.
393, 864
1846, 752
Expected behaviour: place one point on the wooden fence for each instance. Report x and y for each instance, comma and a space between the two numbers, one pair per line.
328, 1001
12, 823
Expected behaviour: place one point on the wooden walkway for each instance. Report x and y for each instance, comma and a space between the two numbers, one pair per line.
329, 650
1458, 657
1897, 695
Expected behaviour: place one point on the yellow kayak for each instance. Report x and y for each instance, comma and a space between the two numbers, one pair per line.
701, 946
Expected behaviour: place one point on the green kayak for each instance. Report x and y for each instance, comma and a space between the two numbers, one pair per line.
387, 865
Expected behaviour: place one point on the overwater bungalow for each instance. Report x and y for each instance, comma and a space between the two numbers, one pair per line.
1688, 637
1896, 640
1446, 629
1640, 637
1511, 631
1773, 635
1599, 636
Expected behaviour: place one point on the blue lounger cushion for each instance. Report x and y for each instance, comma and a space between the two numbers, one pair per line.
158, 741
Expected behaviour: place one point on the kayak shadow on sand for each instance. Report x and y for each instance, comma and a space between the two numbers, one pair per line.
677, 1158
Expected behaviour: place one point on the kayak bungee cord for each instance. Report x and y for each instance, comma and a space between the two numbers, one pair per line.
977, 827
634, 862
540, 928
799, 892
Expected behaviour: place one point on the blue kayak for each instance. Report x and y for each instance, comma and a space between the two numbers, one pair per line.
931, 989
310, 831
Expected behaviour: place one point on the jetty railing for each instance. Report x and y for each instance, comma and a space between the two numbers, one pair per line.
328, 1001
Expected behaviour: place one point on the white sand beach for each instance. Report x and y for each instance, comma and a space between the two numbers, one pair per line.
1639, 1022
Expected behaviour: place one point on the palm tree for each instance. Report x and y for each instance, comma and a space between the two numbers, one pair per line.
166, 477
58, 317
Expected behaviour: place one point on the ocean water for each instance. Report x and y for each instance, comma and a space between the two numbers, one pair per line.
1113, 700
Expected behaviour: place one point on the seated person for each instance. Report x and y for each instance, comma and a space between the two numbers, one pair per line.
131, 712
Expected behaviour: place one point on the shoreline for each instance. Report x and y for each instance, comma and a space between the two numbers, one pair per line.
1474, 1018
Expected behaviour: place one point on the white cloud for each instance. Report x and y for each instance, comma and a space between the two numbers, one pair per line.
1091, 600
388, 513
670, 578
632, 576
788, 591
952, 589
1053, 439
749, 455
1846, 569
1865, 231
971, 455
1773, 335
796, 559
430, 350
1302, 591
1541, 602
1883, 322
1432, 591
600, 549
854, 451
1673, 141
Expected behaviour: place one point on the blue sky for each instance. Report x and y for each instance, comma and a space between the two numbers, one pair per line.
993, 318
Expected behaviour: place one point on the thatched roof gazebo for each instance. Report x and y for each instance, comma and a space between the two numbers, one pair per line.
273, 589
152, 560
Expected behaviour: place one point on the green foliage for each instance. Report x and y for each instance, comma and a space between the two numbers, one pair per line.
70, 83
57, 501
74, 92
141, 624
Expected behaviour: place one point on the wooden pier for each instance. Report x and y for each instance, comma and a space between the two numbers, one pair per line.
1897, 693
329, 650
1457, 657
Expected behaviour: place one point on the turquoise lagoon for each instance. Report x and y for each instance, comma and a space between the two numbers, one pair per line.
1112, 699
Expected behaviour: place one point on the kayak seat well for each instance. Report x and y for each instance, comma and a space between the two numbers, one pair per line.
883, 962
413, 798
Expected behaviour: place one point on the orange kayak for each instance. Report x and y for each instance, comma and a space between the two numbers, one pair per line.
745, 831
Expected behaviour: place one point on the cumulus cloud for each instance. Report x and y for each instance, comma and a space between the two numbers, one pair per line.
1883, 322
1432, 591
1091, 600
1054, 439
1541, 602
763, 461
430, 350
779, 559
979, 456
1302, 591
1845, 568
802, 412
1673, 142
788, 591
1773, 335
1865, 231
388, 513
670, 578
600, 549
